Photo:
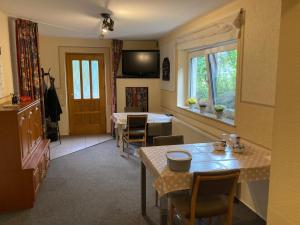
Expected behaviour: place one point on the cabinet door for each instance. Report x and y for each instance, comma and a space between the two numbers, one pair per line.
30, 129
35, 126
24, 137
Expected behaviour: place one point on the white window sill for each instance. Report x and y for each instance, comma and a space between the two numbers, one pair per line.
212, 116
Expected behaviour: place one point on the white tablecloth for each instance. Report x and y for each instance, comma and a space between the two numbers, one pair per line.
120, 121
121, 118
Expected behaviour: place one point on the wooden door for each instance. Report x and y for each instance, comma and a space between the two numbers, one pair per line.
86, 93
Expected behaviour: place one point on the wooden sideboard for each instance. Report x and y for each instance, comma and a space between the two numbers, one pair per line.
24, 155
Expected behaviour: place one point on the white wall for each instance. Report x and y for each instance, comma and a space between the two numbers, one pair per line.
153, 92
152, 84
52, 55
255, 83
284, 198
6, 59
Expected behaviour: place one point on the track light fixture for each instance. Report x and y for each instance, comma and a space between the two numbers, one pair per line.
108, 23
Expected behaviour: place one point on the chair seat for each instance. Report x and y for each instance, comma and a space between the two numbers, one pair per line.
207, 206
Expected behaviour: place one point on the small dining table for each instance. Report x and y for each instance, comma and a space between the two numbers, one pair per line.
120, 121
253, 163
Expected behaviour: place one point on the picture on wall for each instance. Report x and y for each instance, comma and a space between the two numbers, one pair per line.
137, 97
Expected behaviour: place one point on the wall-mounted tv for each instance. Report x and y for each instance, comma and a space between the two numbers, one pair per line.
140, 63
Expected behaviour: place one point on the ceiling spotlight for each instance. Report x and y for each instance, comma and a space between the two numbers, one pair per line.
108, 23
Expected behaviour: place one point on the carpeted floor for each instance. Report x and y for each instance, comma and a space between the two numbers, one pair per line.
97, 187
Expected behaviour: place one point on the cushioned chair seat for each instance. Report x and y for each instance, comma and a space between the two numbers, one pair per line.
207, 206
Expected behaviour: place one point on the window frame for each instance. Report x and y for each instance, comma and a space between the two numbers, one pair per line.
233, 45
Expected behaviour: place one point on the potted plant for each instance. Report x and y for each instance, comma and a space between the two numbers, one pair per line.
191, 102
202, 105
219, 111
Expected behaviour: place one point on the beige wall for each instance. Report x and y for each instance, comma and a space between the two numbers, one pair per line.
260, 53
52, 55
284, 199
6, 58
153, 92
152, 84
255, 84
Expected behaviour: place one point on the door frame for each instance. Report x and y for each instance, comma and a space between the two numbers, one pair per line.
102, 54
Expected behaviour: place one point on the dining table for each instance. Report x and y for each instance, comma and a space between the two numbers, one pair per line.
253, 163
120, 121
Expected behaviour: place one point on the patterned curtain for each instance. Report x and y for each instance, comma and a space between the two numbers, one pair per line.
117, 46
28, 59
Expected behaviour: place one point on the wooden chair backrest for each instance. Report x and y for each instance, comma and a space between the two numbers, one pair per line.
132, 109
137, 122
212, 184
168, 140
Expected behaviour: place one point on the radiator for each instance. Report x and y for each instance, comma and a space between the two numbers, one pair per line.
191, 134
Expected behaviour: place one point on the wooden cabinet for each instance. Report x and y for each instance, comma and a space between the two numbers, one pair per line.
24, 155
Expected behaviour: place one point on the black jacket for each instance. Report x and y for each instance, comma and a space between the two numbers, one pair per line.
52, 105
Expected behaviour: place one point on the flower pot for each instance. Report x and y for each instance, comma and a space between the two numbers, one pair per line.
219, 115
202, 108
192, 106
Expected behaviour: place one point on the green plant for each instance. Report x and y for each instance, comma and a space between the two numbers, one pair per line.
219, 108
191, 101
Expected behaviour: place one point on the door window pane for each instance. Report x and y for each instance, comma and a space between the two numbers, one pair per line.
76, 79
198, 78
95, 79
223, 68
86, 79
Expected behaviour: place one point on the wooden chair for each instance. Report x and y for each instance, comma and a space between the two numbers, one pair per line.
135, 131
166, 140
212, 195
132, 109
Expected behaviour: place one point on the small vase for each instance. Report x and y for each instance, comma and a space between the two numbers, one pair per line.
219, 115
192, 107
202, 109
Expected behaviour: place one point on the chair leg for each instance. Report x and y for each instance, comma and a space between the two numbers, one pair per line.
171, 214
229, 219
123, 145
209, 221
156, 198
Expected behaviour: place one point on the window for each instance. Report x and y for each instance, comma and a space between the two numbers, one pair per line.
86, 83
212, 77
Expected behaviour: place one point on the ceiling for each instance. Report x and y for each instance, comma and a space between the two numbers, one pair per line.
134, 19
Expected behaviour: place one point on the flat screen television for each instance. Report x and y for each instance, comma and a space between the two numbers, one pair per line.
140, 63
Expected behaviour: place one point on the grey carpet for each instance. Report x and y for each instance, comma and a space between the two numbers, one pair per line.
97, 187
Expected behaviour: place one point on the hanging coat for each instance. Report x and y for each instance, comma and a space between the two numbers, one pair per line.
52, 105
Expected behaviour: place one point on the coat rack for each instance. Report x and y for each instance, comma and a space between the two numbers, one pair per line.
48, 121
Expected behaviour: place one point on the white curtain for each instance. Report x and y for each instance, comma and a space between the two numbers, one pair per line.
220, 31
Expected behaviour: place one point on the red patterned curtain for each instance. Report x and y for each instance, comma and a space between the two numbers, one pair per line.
117, 47
28, 59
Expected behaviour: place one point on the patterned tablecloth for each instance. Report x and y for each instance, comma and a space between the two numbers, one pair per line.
254, 164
